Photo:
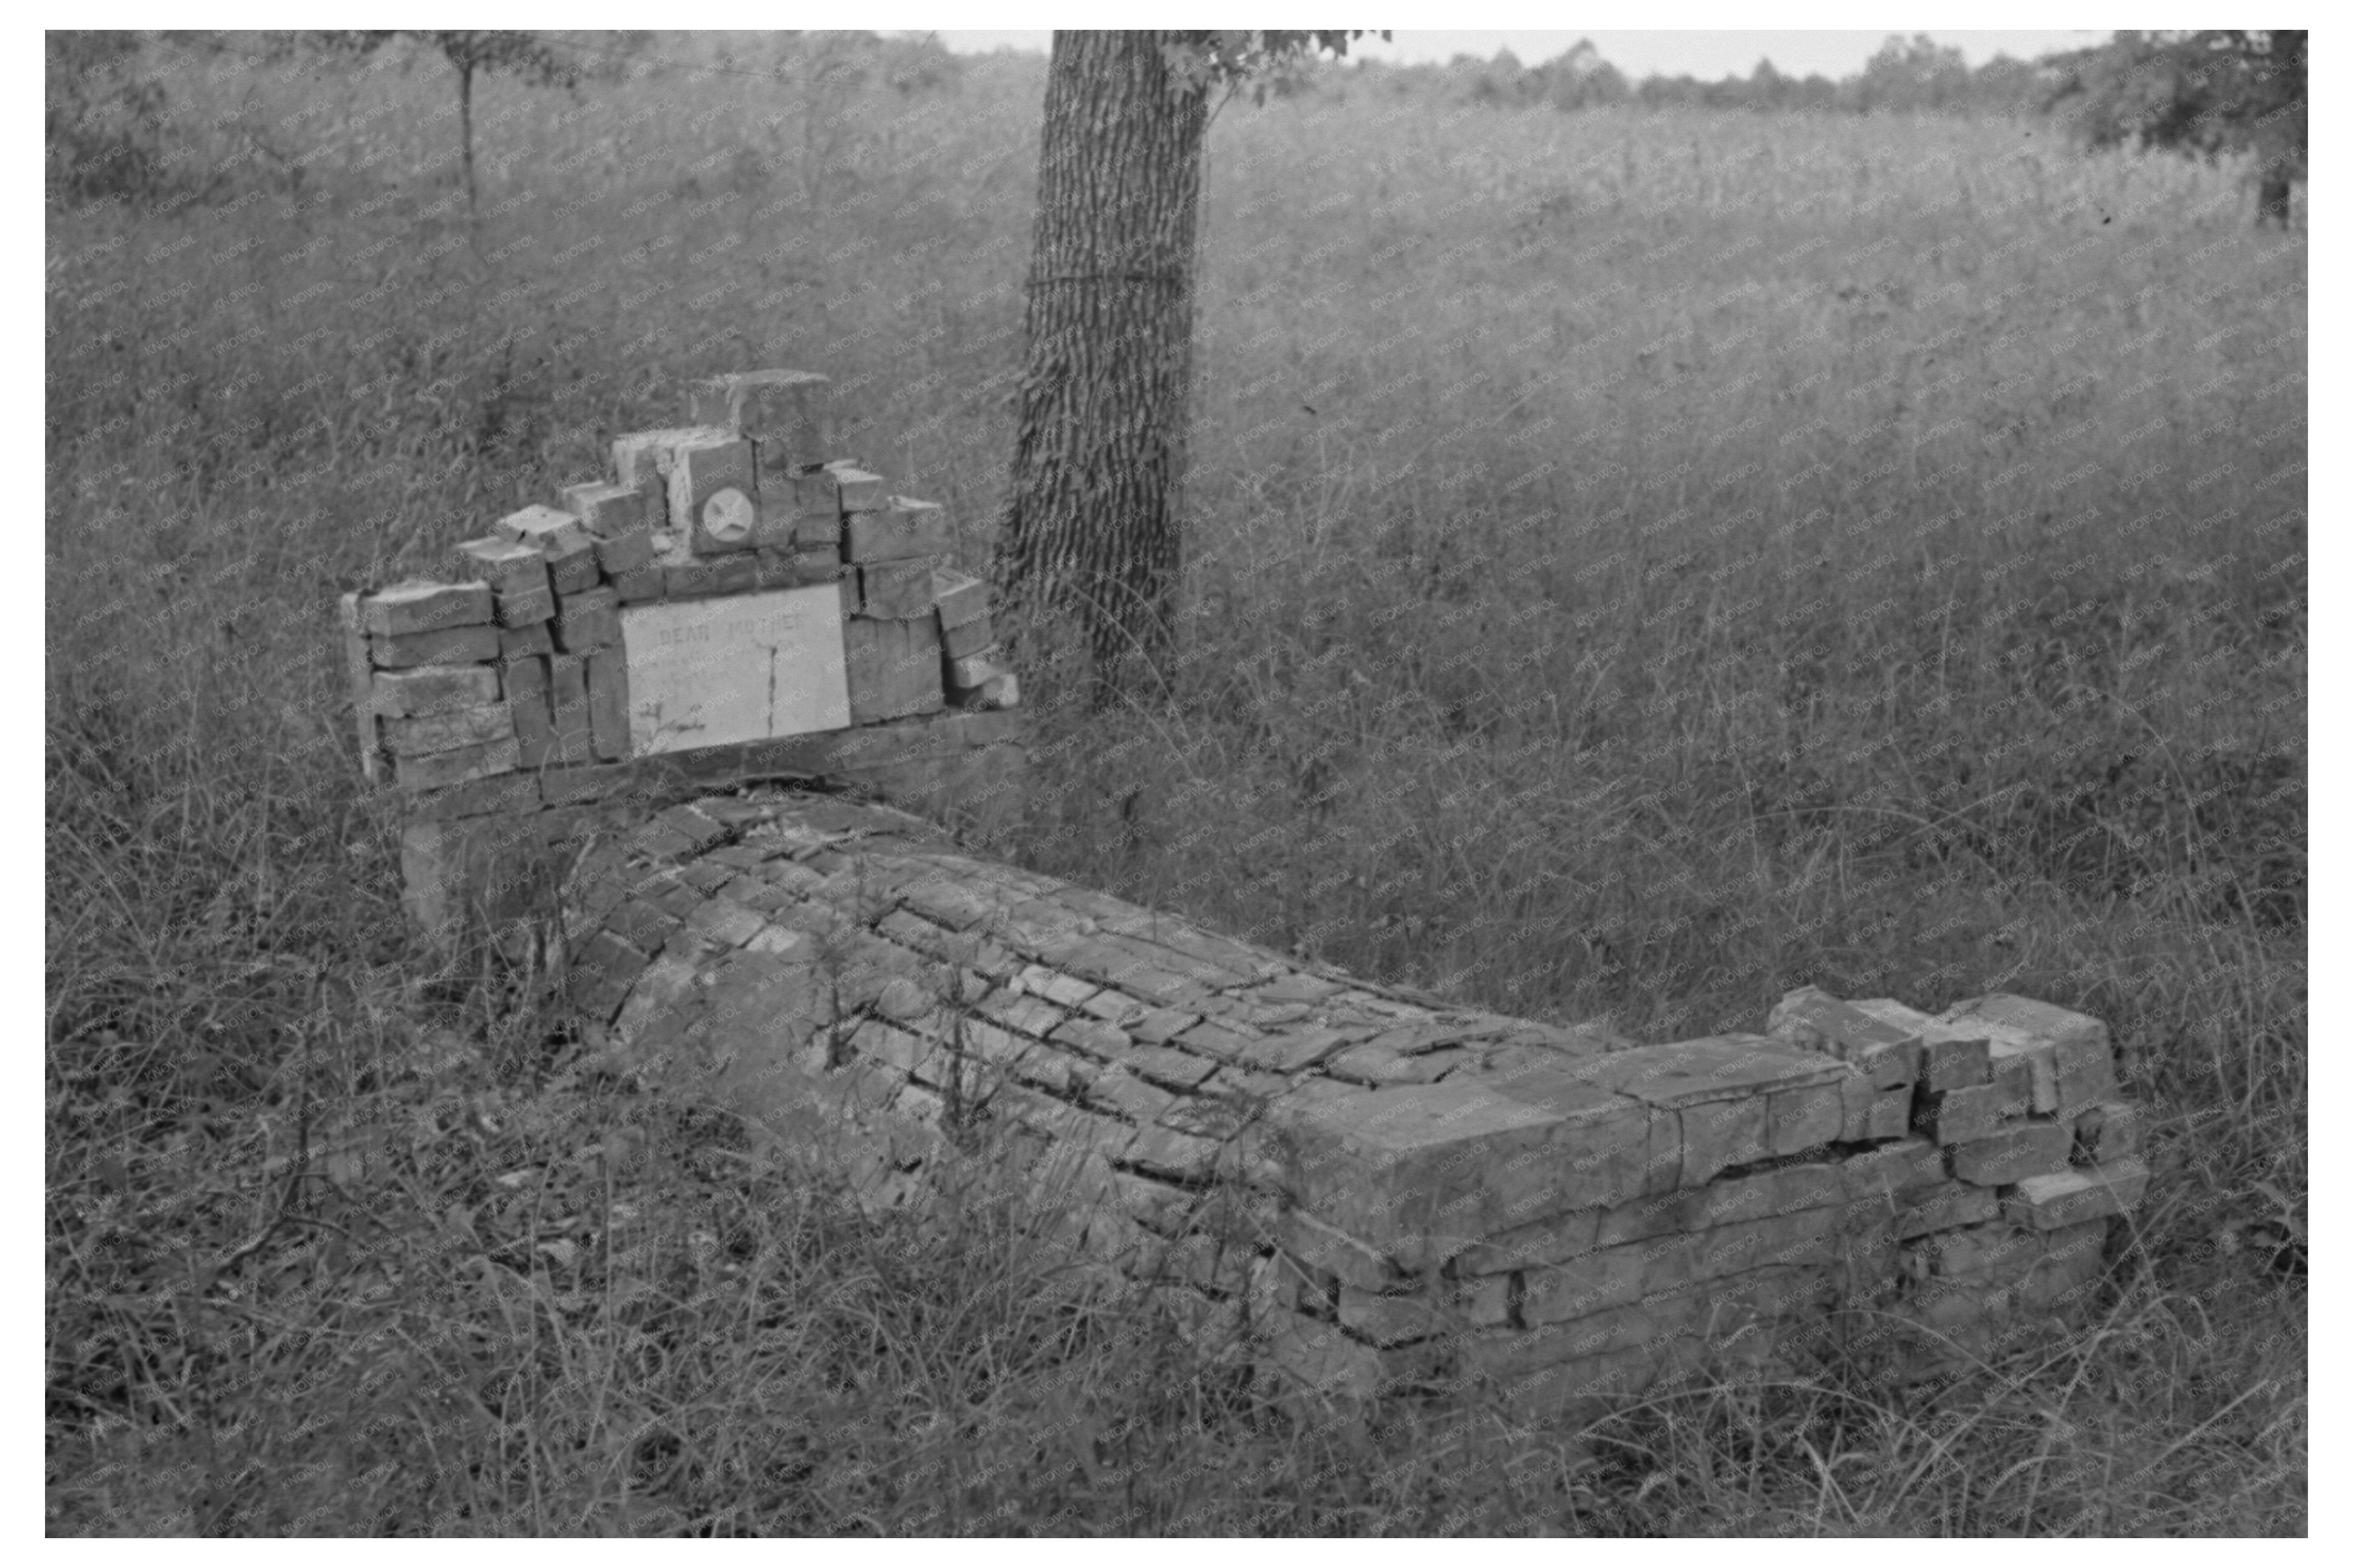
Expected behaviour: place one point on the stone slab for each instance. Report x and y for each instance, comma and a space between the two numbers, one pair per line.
892, 668
963, 599
526, 683
508, 565
445, 768
410, 607
2110, 1129
2073, 1059
1423, 1173
782, 411
567, 698
2037, 1148
518, 642
609, 703
1720, 1067
450, 730
718, 671
359, 678
894, 590
572, 565
444, 689
1882, 1049
1963, 1115
711, 492
519, 608
458, 645
721, 576
607, 510
1618, 1276
2078, 1194
491, 793
544, 529
900, 530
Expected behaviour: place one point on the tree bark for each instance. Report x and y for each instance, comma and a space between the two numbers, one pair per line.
466, 134
1091, 537
2271, 197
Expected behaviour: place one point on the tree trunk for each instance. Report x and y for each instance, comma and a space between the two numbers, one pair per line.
2271, 197
466, 133
1091, 528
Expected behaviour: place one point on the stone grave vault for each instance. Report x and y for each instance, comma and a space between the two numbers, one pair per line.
729, 717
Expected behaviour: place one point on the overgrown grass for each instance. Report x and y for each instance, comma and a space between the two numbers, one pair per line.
1640, 564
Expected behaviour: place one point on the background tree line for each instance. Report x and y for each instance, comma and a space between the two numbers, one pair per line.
111, 130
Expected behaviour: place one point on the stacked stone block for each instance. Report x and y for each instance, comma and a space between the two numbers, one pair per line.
509, 691
1359, 1188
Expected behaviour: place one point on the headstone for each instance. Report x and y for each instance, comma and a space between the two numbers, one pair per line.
708, 673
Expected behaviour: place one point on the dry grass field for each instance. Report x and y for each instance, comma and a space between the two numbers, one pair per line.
1639, 564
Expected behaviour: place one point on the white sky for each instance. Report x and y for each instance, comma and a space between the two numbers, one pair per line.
1709, 55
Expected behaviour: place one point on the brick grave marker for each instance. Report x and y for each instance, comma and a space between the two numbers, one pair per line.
615, 715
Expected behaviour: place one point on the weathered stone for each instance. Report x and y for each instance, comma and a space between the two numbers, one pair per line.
1945, 1206
2111, 1130
1767, 1195
726, 923
962, 599
1203, 1117
1721, 1134
448, 730
1117, 1088
1155, 1203
1982, 1252
1961, 1115
1321, 1358
413, 607
899, 529
1030, 1015
1171, 1069
783, 412
1798, 1119
1422, 1173
2078, 1194
1164, 1150
1296, 986
455, 644
2070, 1267
442, 769
1868, 1113
1373, 1065
893, 669
2032, 1149
2073, 1061
1328, 1250
519, 642
519, 609
505, 565
2033, 1018
1293, 1050
1957, 1059
1060, 989
1721, 1068
501, 793
1723, 1308
1614, 1277
1385, 1320
1881, 1050
444, 689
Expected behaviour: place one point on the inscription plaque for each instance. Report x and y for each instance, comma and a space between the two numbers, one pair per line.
708, 672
